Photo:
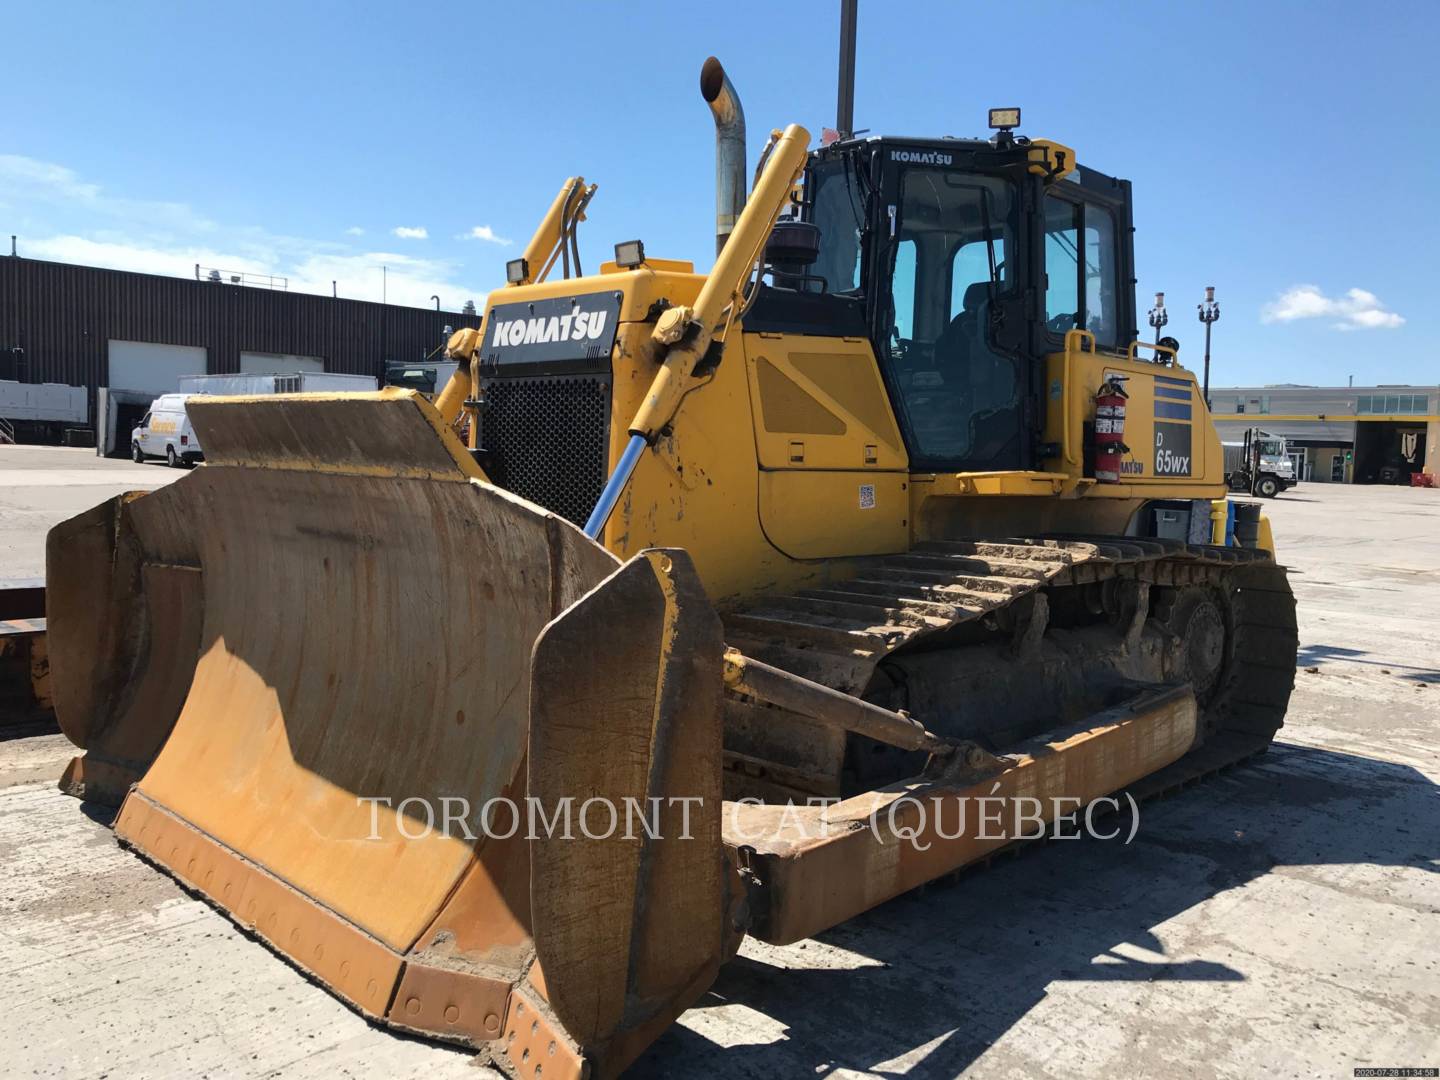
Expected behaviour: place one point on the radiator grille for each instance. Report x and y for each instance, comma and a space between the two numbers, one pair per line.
546, 439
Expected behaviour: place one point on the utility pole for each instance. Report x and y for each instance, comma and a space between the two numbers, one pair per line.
1209, 314
845, 105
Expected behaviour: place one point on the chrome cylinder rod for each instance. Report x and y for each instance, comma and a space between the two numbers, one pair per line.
615, 487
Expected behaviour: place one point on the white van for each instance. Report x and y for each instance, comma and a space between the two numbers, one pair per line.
165, 432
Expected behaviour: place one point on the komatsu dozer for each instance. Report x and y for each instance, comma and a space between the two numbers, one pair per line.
739, 589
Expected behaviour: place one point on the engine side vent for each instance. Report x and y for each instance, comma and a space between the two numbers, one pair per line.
546, 439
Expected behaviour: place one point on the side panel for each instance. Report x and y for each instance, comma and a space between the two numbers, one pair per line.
833, 469
820, 404
1174, 449
697, 488
810, 514
707, 485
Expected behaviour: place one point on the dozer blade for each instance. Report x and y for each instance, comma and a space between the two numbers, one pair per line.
416, 702
123, 606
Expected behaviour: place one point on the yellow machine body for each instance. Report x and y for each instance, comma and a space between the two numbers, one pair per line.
790, 462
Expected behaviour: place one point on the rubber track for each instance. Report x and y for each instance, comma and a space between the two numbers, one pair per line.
838, 634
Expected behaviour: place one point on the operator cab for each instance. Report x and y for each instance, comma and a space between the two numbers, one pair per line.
965, 262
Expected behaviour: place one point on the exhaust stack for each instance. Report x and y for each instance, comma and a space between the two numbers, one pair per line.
729, 148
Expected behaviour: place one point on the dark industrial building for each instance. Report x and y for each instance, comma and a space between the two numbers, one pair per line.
136, 334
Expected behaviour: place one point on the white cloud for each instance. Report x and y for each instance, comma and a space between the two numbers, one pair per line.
65, 218
404, 279
118, 255
407, 232
486, 233
44, 176
354, 230
1356, 310
32, 184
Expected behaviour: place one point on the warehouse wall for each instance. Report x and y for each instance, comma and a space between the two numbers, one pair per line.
64, 318
1323, 464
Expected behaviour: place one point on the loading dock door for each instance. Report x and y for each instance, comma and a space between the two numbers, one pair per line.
151, 368
1388, 452
116, 413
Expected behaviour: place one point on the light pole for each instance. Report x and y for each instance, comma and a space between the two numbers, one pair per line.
1209, 313
1158, 318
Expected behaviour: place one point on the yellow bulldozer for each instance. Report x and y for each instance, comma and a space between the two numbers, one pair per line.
739, 589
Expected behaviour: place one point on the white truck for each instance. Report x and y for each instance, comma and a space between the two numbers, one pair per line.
165, 432
1258, 464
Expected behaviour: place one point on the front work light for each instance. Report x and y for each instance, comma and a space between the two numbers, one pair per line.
629, 254
1004, 119
516, 271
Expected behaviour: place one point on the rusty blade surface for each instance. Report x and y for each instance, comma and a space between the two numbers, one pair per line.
124, 609
369, 612
819, 866
362, 634
630, 913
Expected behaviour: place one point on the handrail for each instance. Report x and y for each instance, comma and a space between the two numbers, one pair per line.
240, 277
7, 431
1074, 343
1135, 345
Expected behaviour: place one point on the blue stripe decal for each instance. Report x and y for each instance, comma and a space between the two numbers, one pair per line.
1172, 412
1168, 381
1173, 392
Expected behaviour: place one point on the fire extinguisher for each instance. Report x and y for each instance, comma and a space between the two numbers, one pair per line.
1110, 428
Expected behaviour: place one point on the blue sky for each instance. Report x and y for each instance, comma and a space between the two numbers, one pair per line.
1284, 152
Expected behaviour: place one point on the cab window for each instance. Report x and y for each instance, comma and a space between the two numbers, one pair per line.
1062, 265
970, 265
903, 289
836, 208
144, 421
1101, 318
958, 397
1080, 269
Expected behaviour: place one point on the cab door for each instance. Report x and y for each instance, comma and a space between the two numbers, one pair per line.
143, 437
1088, 260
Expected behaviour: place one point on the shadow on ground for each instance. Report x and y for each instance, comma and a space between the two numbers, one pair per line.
959, 964
1315, 654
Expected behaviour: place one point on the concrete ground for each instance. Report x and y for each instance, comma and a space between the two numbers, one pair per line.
1280, 920
41, 485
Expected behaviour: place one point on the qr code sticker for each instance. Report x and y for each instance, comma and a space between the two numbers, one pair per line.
867, 496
